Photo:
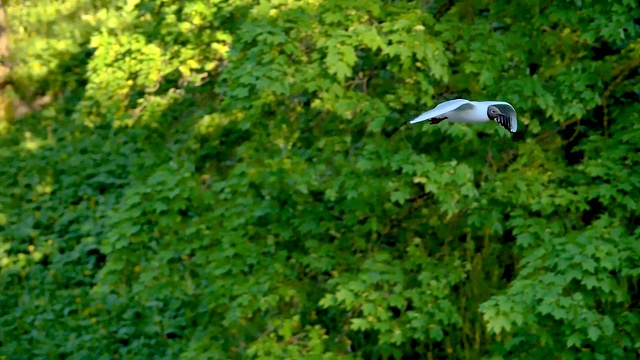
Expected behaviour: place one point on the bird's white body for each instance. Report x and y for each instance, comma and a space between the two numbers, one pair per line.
465, 111
476, 114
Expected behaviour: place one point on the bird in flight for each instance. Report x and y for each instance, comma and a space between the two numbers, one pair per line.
465, 111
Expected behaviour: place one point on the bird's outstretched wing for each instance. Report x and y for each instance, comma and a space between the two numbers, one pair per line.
441, 109
511, 121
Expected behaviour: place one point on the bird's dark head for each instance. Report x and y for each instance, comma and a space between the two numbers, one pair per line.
493, 113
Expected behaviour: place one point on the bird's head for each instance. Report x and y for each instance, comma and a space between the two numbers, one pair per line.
493, 113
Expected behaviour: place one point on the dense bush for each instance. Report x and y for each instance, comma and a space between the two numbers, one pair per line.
233, 179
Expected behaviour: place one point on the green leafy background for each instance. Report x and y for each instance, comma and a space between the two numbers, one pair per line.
221, 179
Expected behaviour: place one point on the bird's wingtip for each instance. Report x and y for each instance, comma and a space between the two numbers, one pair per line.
416, 120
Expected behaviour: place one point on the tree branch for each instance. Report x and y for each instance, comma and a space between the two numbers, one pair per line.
619, 73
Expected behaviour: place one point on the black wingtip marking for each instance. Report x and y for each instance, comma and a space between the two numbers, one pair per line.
437, 120
505, 121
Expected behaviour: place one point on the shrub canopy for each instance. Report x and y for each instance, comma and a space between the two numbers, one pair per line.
233, 179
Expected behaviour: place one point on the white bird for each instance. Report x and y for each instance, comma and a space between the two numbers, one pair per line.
465, 111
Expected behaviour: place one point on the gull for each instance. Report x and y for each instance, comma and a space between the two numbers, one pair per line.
465, 111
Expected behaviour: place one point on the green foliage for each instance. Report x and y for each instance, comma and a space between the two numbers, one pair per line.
232, 179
